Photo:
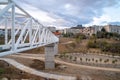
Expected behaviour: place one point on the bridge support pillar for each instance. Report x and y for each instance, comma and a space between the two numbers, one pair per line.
50, 51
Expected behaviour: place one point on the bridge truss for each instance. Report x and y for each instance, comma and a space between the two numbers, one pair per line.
21, 31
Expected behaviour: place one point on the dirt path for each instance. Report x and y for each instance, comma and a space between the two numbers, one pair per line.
70, 64
35, 72
67, 42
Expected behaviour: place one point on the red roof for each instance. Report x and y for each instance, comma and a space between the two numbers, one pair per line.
56, 33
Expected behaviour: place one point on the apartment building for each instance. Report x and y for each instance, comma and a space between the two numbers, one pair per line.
112, 28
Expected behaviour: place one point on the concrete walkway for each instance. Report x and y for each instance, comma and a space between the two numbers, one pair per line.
35, 72
70, 64
67, 42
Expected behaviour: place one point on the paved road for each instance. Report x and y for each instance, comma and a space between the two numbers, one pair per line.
35, 72
37, 56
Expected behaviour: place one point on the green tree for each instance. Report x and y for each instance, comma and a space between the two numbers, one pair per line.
103, 30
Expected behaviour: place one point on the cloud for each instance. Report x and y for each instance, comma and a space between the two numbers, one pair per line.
104, 19
67, 12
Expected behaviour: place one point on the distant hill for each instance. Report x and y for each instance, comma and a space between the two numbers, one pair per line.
114, 23
77, 27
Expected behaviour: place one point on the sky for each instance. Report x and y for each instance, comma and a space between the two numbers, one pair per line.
69, 13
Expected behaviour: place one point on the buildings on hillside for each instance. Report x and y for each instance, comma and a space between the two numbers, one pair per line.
108, 28
88, 31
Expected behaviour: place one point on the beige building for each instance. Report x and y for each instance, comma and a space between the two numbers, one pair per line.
112, 28
88, 31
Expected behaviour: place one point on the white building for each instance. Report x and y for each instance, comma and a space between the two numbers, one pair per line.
69, 30
97, 28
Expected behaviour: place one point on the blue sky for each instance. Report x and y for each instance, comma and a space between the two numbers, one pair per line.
68, 13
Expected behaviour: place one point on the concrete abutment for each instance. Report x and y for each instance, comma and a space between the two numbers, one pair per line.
50, 51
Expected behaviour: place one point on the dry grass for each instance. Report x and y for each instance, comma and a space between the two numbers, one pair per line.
63, 40
71, 47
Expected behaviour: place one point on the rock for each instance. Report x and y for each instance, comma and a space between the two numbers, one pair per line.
62, 66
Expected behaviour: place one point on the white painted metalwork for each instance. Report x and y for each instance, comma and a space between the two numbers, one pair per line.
21, 31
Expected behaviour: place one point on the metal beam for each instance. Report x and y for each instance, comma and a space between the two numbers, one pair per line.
3, 3
13, 27
6, 9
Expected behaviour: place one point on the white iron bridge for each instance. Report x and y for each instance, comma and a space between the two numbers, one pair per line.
21, 31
